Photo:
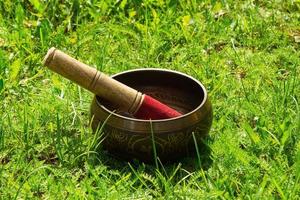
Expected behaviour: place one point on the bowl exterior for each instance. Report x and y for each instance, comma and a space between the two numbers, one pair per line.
136, 141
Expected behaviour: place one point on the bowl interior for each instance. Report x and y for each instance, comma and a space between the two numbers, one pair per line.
176, 90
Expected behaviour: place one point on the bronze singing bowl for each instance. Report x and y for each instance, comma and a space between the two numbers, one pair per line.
130, 138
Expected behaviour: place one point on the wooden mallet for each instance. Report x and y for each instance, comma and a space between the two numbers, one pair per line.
126, 98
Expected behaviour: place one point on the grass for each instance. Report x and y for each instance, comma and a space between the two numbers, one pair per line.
246, 53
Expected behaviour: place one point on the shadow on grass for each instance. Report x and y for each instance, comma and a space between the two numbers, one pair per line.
67, 149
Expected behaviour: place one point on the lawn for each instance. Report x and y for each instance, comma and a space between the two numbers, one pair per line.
246, 53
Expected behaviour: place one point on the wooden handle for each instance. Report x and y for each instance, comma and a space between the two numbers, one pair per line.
128, 99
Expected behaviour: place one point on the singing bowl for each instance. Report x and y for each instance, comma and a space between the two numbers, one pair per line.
129, 138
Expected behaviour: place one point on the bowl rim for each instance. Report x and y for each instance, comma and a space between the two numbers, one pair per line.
157, 120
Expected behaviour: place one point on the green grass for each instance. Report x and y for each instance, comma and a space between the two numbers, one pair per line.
246, 53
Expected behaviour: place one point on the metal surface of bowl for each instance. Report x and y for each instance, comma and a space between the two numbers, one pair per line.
129, 138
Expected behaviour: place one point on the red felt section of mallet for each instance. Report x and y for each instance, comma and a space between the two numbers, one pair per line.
153, 109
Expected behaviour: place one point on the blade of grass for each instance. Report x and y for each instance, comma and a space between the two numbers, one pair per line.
197, 150
153, 145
